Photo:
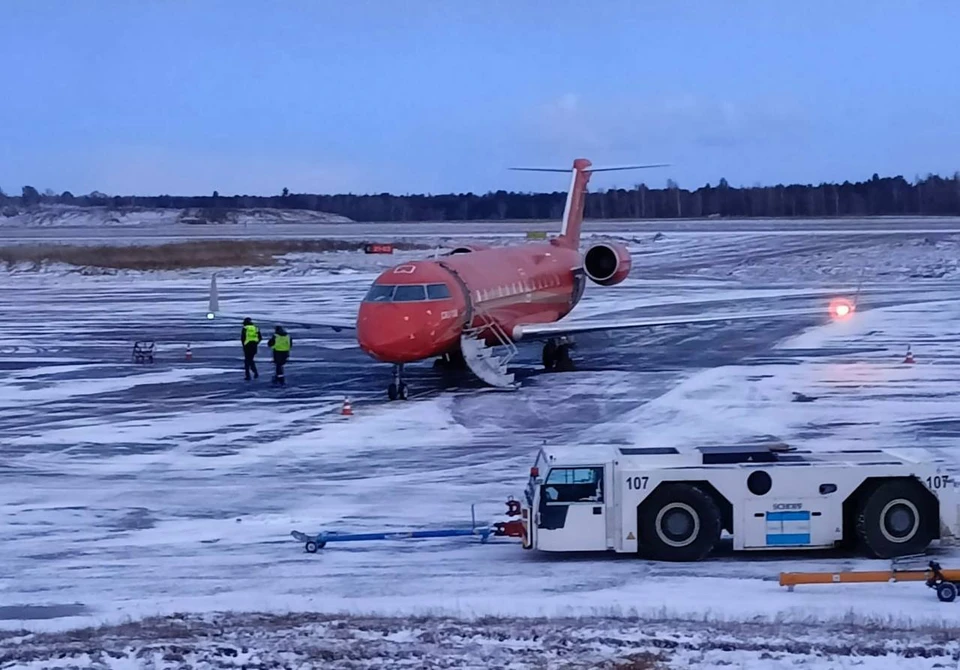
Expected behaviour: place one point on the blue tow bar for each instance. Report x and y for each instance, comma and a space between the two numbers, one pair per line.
314, 542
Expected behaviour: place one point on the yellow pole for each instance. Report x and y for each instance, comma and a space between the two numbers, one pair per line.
791, 579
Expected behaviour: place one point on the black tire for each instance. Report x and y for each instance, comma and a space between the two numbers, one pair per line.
946, 592
678, 522
392, 391
311, 547
564, 361
402, 392
896, 518
549, 356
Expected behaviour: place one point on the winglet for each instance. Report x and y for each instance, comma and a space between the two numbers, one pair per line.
214, 305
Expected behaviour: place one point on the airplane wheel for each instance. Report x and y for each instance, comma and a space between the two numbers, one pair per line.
402, 391
549, 355
392, 391
564, 362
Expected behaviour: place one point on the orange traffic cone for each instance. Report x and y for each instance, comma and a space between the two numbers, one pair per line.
347, 409
189, 355
909, 357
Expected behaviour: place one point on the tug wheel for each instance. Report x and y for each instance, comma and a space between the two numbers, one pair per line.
678, 522
897, 518
946, 592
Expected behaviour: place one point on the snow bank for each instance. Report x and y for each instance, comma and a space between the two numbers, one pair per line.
72, 216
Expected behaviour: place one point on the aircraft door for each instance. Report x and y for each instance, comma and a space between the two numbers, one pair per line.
572, 514
467, 299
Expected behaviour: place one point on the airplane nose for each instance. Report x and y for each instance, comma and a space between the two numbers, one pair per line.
389, 332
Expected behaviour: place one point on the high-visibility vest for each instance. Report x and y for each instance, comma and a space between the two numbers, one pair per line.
250, 334
281, 343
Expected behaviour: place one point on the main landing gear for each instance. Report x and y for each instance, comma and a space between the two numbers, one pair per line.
556, 355
397, 390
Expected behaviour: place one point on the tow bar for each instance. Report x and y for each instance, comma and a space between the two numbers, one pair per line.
944, 582
514, 528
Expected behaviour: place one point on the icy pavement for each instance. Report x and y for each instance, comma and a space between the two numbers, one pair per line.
94, 225
131, 491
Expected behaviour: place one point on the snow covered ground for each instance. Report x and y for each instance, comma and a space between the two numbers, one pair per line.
135, 491
59, 217
105, 226
568, 643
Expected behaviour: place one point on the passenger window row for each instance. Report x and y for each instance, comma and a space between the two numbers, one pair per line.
526, 286
407, 292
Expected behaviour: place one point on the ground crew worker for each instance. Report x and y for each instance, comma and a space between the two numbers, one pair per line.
250, 338
280, 343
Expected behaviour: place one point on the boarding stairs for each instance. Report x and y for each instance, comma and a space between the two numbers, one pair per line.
484, 360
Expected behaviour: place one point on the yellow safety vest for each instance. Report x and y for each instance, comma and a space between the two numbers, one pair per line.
281, 343
249, 334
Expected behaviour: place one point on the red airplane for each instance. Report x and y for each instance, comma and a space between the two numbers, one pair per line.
462, 307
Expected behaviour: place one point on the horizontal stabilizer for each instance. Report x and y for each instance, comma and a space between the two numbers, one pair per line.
626, 167
529, 169
591, 169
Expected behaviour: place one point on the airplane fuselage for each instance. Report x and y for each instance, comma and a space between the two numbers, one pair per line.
418, 310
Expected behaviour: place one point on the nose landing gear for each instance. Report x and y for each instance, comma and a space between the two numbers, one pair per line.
397, 390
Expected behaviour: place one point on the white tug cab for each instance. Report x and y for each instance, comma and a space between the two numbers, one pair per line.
664, 504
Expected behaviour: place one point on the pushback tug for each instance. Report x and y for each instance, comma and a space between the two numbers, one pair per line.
667, 505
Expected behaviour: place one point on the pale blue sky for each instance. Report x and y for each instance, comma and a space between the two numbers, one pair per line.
434, 96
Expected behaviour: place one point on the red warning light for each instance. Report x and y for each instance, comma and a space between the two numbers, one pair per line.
841, 308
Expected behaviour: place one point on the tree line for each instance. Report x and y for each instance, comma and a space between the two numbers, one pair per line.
931, 195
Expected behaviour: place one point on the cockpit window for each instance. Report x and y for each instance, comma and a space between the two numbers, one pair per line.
438, 291
380, 293
409, 293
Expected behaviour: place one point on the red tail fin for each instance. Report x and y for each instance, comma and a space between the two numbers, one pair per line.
577, 196
576, 199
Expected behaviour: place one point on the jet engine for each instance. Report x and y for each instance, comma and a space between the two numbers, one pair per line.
467, 248
607, 263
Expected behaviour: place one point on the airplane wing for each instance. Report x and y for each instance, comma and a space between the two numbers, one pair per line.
213, 312
534, 331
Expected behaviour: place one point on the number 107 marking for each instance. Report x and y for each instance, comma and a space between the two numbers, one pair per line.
637, 483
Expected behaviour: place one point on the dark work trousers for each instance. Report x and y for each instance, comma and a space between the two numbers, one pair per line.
249, 365
279, 360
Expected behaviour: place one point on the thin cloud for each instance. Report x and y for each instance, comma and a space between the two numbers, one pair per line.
569, 122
